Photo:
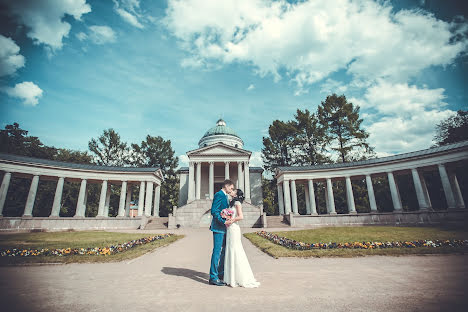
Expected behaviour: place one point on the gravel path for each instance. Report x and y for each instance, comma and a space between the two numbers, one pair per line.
174, 278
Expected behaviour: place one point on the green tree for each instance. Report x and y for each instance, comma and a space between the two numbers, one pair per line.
309, 139
453, 129
109, 150
157, 152
343, 129
278, 148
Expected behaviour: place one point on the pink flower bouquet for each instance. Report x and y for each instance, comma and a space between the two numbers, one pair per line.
227, 213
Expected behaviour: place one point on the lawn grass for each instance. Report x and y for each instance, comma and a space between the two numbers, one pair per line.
360, 234
81, 239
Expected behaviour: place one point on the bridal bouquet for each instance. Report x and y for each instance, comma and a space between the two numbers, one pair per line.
227, 213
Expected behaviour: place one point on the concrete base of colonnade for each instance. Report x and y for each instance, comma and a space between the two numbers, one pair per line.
452, 217
26, 224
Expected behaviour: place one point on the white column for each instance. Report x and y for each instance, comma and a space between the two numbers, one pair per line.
294, 197
123, 192
456, 191
102, 199
57, 198
240, 176
327, 203
141, 198
307, 200
350, 196
394, 191
80, 205
128, 199
31, 197
226, 170
423, 205
447, 187
331, 200
106, 206
287, 197
370, 192
4, 190
280, 199
198, 183
211, 180
157, 198
310, 188
191, 182
247, 181
426, 192
149, 198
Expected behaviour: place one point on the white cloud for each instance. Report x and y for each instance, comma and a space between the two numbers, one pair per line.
407, 116
44, 18
256, 159
250, 87
309, 40
101, 34
129, 11
81, 36
10, 59
333, 86
183, 160
27, 91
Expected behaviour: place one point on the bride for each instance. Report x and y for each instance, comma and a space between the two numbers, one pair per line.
237, 271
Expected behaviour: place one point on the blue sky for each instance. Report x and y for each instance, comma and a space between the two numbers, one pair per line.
69, 70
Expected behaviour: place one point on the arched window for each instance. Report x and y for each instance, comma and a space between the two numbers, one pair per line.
236, 145
205, 144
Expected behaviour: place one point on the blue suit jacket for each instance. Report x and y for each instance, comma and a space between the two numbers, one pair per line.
220, 201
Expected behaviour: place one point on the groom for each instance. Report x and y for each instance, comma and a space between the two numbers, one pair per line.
218, 226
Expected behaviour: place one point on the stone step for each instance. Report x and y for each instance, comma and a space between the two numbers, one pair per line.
157, 223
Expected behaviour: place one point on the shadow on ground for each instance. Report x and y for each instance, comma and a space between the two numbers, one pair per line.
200, 277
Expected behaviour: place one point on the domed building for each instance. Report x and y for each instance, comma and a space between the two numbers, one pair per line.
220, 156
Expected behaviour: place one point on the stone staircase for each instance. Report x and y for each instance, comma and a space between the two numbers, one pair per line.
197, 214
157, 223
277, 222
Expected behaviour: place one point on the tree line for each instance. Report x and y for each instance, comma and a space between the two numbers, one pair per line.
108, 150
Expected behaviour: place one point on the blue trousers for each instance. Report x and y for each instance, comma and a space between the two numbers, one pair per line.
217, 257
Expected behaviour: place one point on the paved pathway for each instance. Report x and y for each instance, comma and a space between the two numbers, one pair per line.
174, 278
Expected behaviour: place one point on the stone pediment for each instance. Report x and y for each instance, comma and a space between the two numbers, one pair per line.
219, 149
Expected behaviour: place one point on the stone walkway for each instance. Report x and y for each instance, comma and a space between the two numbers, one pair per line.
174, 278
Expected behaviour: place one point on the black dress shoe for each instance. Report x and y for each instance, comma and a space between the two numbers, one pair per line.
217, 283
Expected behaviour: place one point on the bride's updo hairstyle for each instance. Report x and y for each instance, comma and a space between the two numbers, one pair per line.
239, 197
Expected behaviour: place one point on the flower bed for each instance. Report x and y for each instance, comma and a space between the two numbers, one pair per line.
292, 244
98, 251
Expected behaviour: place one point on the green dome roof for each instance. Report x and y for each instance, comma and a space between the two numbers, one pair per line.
220, 128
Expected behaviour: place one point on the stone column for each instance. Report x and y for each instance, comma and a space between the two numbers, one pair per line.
460, 203
128, 199
350, 196
226, 170
287, 197
57, 198
426, 192
331, 200
307, 200
327, 202
394, 191
191, 182
280, 199
149, 198
198, 183
247, 181
4, 190
157, 197
370, 192
123, 192
141, 198
102, 199
211, 180
80, 205
310, 188
31, 197
447, 187
423, 205
240, 176
106, 206
294, 197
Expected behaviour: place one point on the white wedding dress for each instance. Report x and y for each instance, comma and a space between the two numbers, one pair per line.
237, 271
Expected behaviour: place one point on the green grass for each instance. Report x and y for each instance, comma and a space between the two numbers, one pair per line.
82, 239
359, 234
